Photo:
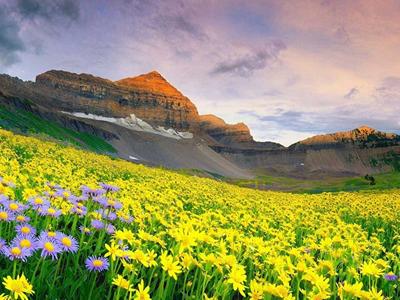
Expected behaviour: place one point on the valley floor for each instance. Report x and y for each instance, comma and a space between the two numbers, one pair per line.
383, 181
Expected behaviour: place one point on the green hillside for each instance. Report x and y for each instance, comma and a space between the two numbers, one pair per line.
25, 122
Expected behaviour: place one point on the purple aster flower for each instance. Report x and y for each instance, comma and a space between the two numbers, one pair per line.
391, 276
6, 215
50, 211
53, 185
111, 216
49, 234
73, 199
91, 192
62, 193
79, 210
83, 198
68, 243
126, 219
25, 229
2, 244
14, 206
97, 264
50, 247
110, 229
109, 187
6, 183
3, 199
85, 230
100, 200
28, 242
112, 203
37, 202
15, 252
97, 224
22, 219
107, 214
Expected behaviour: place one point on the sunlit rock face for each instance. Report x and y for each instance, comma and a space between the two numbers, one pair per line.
150, 97
361, 137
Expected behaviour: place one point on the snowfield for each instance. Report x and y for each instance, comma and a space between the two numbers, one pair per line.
134, 123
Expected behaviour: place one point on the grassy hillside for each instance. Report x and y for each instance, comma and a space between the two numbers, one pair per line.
335, 184
154, 233
29, 123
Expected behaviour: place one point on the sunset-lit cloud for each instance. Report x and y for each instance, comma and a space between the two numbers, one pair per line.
290, 69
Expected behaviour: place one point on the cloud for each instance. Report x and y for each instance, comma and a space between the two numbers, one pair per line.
174, 23
388, 92
10, 41
245, 65
329, 121
22, 15
352, 93
289, 120
48, 9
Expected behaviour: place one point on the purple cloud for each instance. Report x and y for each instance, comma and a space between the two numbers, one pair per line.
245, 65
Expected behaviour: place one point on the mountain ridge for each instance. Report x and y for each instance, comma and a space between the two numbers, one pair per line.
148, 104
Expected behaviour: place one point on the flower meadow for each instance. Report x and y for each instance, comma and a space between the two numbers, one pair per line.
77, 225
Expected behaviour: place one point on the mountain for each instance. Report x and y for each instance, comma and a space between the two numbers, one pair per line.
147, 120
363, 150
234, 135
165, 106
363, 137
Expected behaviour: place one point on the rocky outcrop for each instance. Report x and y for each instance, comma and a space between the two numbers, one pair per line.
363, 150
225, 133
231, 135
361, 137
164, 106
149, 97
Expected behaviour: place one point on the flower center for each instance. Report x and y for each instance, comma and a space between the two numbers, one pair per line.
25, 243
66, 242
38, 201
16, 251
49, 246
97, 263
20, 218
25, 230
51, 234
17, 287
51, 211
3, 215
14, 206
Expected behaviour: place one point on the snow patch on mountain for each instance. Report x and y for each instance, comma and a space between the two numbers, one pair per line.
134, 123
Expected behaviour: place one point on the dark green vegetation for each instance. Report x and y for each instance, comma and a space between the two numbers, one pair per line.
382, 182
25, 122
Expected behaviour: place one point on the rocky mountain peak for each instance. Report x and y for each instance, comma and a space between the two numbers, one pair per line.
149, 96
364, 136
225, 133
153, 82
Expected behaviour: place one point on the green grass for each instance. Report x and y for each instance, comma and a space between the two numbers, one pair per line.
28, 123
383, 182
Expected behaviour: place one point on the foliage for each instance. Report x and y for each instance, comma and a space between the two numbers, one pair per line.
29, 123
183, 237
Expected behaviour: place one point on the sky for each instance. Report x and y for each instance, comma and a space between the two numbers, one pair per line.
288, 69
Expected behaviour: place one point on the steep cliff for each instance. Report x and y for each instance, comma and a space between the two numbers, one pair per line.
231, 135
165, 106
149, 96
